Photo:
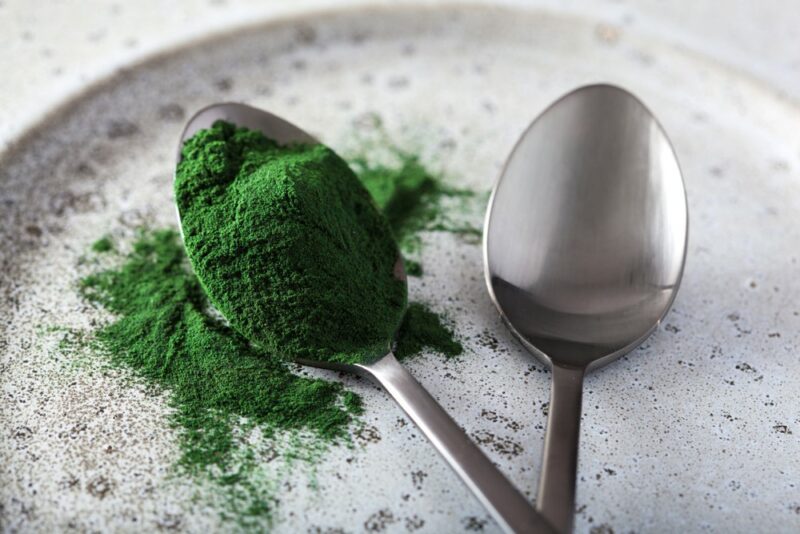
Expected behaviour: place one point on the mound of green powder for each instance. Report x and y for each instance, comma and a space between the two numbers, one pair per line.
289, 245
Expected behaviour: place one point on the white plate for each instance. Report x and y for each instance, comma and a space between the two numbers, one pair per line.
696, 430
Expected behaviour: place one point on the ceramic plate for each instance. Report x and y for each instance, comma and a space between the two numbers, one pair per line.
695, 430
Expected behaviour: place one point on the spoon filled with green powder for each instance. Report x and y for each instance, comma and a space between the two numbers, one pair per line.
292, 251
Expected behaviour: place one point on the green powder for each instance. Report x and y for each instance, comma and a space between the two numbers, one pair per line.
413, 267
289, 246
164, 331
406, 195
103, 244
422, 328
163, 328
416, 200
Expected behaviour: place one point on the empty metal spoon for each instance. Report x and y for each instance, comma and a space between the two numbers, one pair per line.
584, 248
509, 507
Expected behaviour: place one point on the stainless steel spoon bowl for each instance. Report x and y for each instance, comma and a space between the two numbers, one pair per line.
509, 508
584, 248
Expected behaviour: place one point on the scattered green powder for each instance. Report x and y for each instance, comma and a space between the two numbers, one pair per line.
104, 244
413, 267
411, 197
165, 330
406, 195
422, 328
289, 245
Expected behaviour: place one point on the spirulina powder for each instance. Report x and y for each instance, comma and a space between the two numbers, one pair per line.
164, 329
289, 246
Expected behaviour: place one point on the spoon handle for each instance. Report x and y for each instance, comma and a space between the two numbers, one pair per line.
556, 497
507, 505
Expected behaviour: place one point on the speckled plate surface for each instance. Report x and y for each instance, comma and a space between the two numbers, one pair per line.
696, 430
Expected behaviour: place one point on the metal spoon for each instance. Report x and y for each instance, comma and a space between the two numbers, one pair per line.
508, 507
584, 248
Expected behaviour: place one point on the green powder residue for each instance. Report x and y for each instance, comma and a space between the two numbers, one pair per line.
164, 329
104, 244
412, 198
289, 246
407, 194
413, 267
423, 328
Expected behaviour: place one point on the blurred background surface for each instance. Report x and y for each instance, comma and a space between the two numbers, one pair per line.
53, 48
